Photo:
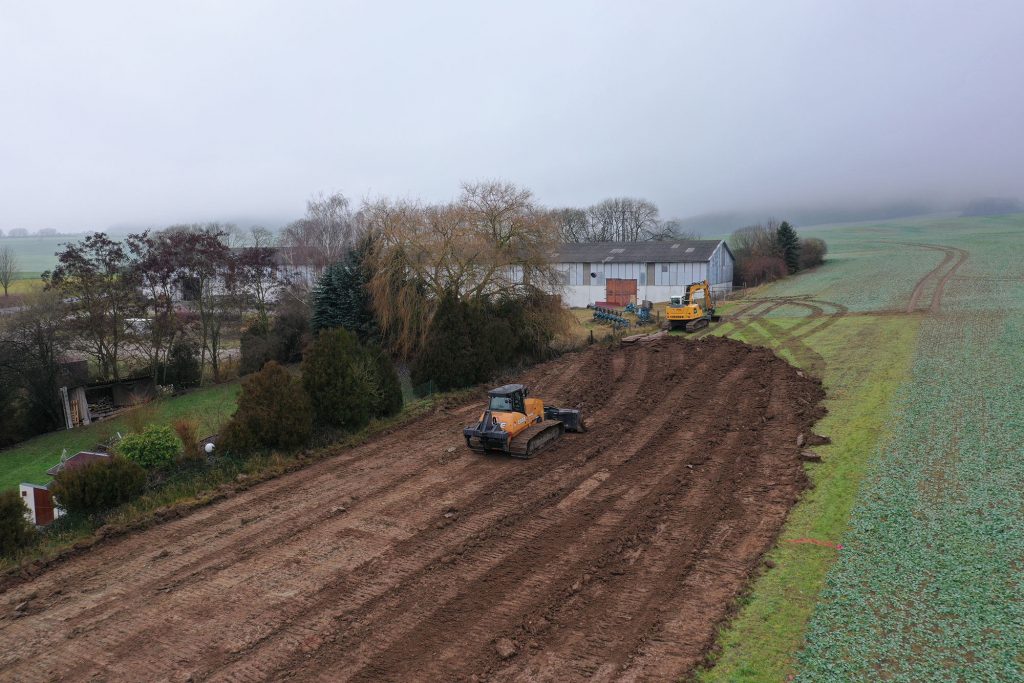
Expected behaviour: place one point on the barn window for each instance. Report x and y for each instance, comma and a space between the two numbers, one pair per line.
664, 267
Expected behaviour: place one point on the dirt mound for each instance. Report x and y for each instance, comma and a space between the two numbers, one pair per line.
613, 554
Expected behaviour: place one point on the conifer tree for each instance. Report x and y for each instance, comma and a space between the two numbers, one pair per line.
340, 298
789, 246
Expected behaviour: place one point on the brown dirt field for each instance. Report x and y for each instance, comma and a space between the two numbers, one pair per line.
612, 555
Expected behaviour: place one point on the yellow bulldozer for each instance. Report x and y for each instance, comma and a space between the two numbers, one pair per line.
690, 312
519, 426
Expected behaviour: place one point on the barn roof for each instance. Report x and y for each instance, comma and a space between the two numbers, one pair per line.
679, 251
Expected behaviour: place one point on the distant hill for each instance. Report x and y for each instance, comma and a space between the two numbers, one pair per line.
727, 221
992, 206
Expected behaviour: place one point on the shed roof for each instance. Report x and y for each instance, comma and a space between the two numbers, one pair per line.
75, 461
679, 251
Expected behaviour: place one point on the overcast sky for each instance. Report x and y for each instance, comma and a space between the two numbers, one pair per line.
142, 114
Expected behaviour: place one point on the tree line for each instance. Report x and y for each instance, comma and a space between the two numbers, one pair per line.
22, 232
768, 251
155, 303
618, 219
455, 291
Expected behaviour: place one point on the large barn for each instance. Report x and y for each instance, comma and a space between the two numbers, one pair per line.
620, 272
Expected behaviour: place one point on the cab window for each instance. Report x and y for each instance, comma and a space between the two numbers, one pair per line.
677, 301
503, 403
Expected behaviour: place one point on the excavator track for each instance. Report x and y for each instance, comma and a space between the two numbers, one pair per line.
533, 439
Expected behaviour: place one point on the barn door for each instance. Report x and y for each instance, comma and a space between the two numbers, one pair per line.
43, 505
619, 292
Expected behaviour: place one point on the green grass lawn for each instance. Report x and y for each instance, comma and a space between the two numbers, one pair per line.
28, 462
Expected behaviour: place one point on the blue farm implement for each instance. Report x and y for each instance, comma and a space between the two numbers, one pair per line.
610, 316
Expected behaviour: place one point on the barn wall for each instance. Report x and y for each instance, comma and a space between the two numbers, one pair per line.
720, 269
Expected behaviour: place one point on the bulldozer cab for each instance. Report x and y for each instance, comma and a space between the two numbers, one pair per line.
510, 398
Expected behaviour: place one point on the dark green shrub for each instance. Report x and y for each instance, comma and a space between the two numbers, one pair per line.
15, 529
182, 367
389, 386
157, 445
290, 328
98, 485
273, 412
335, 377
447, 359
466, 344
258, 347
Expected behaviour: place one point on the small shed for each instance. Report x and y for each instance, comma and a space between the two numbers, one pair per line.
88, 403
39, 501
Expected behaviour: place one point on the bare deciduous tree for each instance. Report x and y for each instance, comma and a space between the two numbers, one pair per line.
8, 267
621, 219
493, 241
321, 237
672, 229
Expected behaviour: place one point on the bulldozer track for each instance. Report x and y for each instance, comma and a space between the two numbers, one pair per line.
614, 553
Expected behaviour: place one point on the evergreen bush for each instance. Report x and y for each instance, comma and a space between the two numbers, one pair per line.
181, 368
15, 530
99, 485
336, 380
274, 411
341, 298
788, 246
377, 371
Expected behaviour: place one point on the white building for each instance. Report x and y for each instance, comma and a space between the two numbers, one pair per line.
620, 272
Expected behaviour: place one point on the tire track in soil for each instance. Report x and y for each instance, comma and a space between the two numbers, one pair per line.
285, 542
562, 557
299, 589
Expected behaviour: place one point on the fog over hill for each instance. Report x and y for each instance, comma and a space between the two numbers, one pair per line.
141, 114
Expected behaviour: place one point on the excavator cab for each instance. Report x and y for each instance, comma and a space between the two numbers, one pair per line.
691, 312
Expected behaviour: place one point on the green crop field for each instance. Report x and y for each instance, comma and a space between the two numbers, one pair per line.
916, 328
36, 254
28, 462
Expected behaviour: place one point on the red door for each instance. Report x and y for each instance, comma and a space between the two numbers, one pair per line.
619, 292
44, 506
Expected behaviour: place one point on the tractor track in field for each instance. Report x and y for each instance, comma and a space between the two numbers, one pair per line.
937, 277
756, 325
613, 555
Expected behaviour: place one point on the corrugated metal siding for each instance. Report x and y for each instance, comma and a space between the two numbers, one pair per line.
678, 274
573, 273
721, 267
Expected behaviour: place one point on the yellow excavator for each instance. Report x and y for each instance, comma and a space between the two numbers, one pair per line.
689, 313
519, 426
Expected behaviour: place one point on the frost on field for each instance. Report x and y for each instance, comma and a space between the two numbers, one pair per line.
929, 585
